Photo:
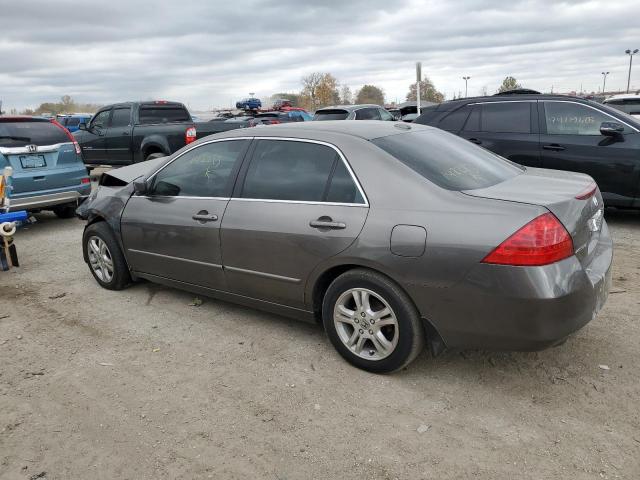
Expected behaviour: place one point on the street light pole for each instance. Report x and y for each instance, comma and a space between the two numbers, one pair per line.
631, 54
604, 80
466, 79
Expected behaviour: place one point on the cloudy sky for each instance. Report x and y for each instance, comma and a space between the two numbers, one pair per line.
210, 53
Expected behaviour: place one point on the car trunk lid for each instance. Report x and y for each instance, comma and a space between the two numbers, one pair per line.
572, 197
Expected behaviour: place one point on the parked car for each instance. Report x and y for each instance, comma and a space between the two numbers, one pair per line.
286, 115
552, 131
383, 231
628, 103
409, 117
72, 122
48, 173
279, 103
249, 104
353, 112
126, 133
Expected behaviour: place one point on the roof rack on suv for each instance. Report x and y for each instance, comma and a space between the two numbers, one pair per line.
519, 91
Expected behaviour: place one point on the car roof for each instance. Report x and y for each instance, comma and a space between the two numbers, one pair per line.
623, 96
367, 130
23, 118
453, 104
349, 108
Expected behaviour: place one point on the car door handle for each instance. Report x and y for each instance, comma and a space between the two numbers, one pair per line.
554, 146
328, 223
204, 217
476, 141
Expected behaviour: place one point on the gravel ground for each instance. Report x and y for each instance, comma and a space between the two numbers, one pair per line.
140, 384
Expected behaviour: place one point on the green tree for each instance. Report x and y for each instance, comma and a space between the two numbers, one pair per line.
509, 83
370, 94
428, 92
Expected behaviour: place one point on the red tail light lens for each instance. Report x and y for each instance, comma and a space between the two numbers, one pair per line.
71, 137
85, 180
542, 241
190, 135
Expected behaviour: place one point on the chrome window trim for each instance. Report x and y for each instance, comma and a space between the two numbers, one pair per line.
41, 149
304, 202
344, 161
504, 101
593, 108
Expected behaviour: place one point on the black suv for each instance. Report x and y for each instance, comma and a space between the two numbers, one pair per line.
552, 131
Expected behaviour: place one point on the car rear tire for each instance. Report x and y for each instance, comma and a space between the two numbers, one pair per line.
105, 259
65, 211
372, 322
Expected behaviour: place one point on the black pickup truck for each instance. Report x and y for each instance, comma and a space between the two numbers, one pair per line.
125, 133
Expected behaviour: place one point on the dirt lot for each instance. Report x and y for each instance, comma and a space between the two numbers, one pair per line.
140, 384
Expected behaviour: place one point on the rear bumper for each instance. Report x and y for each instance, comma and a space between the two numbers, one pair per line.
523, 308
34, 202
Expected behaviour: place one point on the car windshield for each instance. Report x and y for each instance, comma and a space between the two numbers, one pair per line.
331, 115
20, 134
447, 160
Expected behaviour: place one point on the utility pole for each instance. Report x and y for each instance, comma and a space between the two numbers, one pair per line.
604, 81
418, 79
466, 79
631, 54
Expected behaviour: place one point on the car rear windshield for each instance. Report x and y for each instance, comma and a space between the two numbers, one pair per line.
447, 160
163, 114
20, 134
331, 115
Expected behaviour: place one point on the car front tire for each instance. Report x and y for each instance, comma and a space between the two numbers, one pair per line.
372, 322
105, 259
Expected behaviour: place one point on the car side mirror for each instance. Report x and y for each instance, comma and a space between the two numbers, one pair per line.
140, 187
611, 129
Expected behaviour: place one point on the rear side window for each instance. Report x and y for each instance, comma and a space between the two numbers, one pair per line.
121, 117
20, 134
289, 170
163, 114
455, 120
72, 122
331, 115
448, 160
342, 188
511, 117
368, 114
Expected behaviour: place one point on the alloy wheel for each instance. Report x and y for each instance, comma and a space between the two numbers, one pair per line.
366, 324
100, 259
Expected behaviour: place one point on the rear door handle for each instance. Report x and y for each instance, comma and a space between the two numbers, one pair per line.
327, 224
203, 217
476, 141
554, 146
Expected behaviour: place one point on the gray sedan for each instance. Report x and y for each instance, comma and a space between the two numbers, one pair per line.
392, 235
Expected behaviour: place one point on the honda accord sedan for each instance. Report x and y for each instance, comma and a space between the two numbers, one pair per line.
392, 235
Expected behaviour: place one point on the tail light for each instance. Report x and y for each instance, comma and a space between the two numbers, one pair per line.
190, 135
587, 192
542, 241
68, 133
85, 180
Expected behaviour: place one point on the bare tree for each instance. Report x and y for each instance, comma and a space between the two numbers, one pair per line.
346, 97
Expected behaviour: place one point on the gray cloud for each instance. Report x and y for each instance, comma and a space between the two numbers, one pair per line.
210, 53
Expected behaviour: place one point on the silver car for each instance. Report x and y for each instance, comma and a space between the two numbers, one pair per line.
392, 235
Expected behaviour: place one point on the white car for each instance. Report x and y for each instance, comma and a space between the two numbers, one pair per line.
626, 102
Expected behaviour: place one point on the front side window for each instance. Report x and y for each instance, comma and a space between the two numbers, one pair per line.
564, 118
205, 171
121, 117
297, 171
368, 114
100, 120
72, 122
510, 117
455, 120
